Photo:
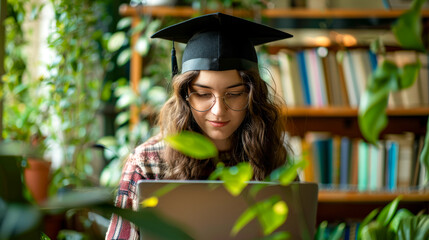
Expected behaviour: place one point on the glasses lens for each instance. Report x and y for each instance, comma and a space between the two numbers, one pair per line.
201, 101
236, 100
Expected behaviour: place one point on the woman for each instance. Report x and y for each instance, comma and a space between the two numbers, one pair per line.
219, 94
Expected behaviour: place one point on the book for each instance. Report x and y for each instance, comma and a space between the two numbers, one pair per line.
381, 162
354, 162
404, 144
286, 78
304, 78
336, 159
392, 165
363, 168
374, 172
275, 78
353, 90
345, 153
333, 81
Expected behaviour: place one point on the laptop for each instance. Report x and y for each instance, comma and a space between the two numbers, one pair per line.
206, 210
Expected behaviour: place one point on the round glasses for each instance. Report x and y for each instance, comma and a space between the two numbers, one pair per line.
204, 101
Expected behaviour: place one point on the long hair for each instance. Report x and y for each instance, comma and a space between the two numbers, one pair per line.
259, 139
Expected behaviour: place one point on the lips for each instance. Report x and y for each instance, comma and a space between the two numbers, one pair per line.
218, 123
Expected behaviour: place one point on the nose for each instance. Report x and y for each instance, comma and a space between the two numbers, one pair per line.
219, 107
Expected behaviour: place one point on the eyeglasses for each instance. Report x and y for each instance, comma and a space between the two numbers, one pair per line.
204, 101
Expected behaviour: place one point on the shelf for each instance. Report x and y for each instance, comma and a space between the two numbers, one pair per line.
186, 12
343, 121
349, 112
328, 196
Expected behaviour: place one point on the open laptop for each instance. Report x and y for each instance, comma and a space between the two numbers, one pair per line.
206, 210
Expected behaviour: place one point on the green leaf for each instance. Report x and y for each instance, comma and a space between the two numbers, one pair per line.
366, 221
192, 144
124, 23
338, 232
123, 57
408, 28
408, 75
116, 41
388, 212
142, 46
424, 155
271, 214
374, 231
401, 214
236, 177
321, 231
126, 100
107, 91
372, 117
122, 118
414, 227
287, 173
157, 95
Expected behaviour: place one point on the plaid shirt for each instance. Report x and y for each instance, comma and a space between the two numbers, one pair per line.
144, 163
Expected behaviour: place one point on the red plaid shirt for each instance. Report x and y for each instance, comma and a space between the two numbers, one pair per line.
144, 163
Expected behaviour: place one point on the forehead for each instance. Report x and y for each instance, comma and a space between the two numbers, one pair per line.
218, 79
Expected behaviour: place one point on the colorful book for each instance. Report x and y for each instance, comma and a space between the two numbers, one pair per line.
363, 166
392, 165
304, 77
345, 153
374, 173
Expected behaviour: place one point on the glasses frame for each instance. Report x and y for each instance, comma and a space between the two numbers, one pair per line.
214, 102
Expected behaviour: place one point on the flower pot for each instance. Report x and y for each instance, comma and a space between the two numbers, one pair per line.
37, 178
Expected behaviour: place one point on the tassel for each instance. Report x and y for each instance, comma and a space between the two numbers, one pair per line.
173, 61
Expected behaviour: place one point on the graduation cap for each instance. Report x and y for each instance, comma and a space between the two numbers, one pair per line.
219, 42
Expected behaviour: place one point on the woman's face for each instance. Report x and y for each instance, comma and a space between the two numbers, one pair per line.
219, 122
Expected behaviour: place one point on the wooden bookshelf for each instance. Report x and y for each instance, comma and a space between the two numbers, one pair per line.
339, 206
344, 120
186, 12
337, 196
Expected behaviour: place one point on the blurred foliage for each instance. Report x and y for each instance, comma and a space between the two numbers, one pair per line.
72, 88
22, 116
388, 77
149, 96
391, 223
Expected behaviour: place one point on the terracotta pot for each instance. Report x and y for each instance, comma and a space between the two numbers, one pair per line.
37, 177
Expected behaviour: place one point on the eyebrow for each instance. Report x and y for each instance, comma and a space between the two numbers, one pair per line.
232, 86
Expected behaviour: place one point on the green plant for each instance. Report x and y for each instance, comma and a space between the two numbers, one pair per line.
391, 223
148, 98
72, 89
22, 115
389, 77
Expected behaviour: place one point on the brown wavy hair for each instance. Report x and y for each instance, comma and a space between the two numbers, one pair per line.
259, 139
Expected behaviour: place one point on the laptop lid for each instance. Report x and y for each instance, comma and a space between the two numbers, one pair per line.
206, 210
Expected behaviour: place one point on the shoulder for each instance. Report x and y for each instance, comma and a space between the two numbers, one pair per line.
147, 158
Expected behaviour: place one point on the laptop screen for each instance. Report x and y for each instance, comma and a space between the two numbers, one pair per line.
206, 210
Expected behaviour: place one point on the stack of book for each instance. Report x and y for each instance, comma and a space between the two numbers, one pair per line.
352, 164
337, 78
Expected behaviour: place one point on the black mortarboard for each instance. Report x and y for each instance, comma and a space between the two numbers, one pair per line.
219, 42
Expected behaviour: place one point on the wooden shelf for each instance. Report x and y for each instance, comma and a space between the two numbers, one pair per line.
349, 112
328, 196
186, 12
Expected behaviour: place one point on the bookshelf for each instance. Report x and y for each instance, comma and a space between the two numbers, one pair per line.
341, 120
